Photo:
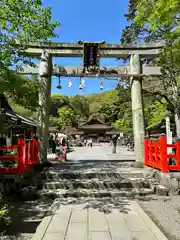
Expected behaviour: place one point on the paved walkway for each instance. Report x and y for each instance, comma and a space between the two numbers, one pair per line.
103, 152
83, 222
92, 219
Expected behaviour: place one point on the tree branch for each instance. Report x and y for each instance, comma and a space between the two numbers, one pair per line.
171, 105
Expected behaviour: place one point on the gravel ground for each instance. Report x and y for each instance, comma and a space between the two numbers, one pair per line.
165, 212
23, 217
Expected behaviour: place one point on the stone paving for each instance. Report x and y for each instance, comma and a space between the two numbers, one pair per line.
103, 152
89, 221
70, 222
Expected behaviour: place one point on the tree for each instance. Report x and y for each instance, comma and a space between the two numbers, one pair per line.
58, 101
24, 21
155, 112
54, 124
80, 105
160, 15
25, 93
21, 21
24, 112
163, 17
66, 117
124, 125
151, 20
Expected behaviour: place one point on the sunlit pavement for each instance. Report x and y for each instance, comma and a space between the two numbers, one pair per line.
95, 219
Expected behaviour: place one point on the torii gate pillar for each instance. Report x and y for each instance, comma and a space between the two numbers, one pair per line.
137, 108
45, 72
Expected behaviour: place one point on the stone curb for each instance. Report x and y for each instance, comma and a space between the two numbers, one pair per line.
158, 189
50, 175
43, 226
96, 184
151, 225
133, 192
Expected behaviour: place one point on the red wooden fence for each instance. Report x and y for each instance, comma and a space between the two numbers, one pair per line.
156, 154
26, 157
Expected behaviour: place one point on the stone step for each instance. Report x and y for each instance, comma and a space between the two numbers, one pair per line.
59, 175
80, 193
96, 184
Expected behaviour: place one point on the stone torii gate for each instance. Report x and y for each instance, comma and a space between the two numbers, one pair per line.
141, 64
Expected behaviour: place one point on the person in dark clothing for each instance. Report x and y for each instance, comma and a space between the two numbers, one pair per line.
2, 144
52, 144
114, 141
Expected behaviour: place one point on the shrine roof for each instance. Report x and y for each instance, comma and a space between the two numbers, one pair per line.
12, 115
161, 125
95, 126
93, 120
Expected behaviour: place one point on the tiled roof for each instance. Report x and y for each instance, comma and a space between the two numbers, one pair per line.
95, 126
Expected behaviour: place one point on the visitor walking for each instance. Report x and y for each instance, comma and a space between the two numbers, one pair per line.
114, 142
90, 142
85, 142
52, 144
61, 150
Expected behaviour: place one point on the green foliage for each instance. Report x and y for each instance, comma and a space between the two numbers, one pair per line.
66, 116
21, 22
22, 91
163, 17
3, 212
58, 101
109, 106
24, 112
155, 112
24, 21
55, 124
80, 105
124, 125
158, 14
153, 21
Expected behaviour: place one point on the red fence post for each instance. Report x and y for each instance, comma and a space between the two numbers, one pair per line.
156, 154
35, 142
150, 149
21, 154
31, 151
164, 166
146, 151
178, 153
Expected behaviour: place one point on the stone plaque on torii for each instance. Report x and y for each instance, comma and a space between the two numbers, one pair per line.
139, 57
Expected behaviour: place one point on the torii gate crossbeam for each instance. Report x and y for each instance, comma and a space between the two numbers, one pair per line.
105, 51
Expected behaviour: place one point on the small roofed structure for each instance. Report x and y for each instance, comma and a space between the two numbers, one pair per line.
11, 123
160, 128
96, 129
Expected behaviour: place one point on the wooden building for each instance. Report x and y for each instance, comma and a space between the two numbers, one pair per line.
160, 128
12, 124
96, 129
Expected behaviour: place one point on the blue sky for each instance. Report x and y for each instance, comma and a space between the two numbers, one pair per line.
94, 20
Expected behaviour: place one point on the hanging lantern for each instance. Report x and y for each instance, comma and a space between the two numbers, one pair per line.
69, 83
81, 84
101, 85
125, 85
118, 83
59, 83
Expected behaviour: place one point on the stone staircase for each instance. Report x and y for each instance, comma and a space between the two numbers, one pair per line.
95, 180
